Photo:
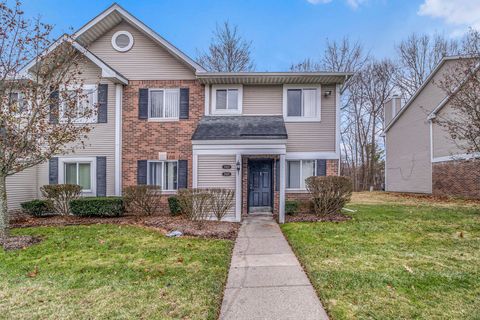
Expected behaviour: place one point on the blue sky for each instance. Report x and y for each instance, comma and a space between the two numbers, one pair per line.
282, 32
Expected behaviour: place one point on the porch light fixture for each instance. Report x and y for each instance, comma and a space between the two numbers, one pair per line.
238, 166
327, 93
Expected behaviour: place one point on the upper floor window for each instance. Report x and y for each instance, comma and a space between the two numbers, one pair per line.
227, 99
164, 103
84, 103
17, 99
301, 103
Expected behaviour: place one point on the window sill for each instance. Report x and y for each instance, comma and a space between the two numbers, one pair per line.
163, 120
300, 119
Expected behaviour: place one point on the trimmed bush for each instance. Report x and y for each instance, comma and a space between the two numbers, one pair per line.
329, 194
142, 199
174, 206
291, 207
37, 207
195, 203
60, 196
221, 200
98, 207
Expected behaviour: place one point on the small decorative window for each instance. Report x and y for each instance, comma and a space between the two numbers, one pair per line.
122, 41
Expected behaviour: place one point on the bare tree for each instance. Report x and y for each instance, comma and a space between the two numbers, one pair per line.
462, 86
38, 118
418, 55
342, 56
228, 51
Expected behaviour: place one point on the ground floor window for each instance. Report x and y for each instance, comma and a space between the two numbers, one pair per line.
163, 174
79, 173
298, 171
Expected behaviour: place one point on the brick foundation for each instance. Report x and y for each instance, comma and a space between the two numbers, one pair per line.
456, 178
143, 139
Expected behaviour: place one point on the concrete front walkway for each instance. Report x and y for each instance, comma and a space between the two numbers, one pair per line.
266, 280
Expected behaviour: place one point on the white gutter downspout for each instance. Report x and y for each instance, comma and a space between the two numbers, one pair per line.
118, 139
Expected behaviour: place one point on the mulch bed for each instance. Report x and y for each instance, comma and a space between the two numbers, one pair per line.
19, 242
310, 217
164, 224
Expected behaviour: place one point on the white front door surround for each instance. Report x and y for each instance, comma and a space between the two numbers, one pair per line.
241, 148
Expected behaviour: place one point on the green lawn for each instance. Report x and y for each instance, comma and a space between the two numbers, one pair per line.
395, 261
112, 272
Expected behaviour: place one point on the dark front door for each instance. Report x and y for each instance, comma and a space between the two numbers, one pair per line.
259, 184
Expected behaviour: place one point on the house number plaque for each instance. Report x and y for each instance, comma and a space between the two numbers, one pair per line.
226, 166
226, 174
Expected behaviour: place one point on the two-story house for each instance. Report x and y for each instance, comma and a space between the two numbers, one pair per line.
170, 123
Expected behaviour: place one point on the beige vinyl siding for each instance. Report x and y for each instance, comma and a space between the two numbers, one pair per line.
408, 158
315, 136
209, 174
21, 187
100, 141
147, 60
443, 145
210, 171
262, 100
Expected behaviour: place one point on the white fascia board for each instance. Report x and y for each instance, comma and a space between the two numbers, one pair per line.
455, 157
242, 142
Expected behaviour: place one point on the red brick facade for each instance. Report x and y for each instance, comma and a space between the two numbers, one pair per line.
143, 139
456, 178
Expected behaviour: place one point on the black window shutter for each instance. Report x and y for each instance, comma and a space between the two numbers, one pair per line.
53, 171
182, 174
277, 175
141, 172
54, 107
321, 167
143, 104
102, 103
101, 176
184, 103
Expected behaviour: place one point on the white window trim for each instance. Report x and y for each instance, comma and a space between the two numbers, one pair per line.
216, 87
163, 119
94, 117
170, 191
93, 172
118, 33
301, 173
302, 119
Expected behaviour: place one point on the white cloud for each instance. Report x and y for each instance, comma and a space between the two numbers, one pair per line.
354, 4
457, 13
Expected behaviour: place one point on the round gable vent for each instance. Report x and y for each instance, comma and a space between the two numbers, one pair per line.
122, 41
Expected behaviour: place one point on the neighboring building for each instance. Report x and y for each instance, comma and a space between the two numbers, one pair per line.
171, 123
420, 155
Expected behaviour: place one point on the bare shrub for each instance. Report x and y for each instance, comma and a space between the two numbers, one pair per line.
329, 194
142, 199
221, 201
196, 203
60, 196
